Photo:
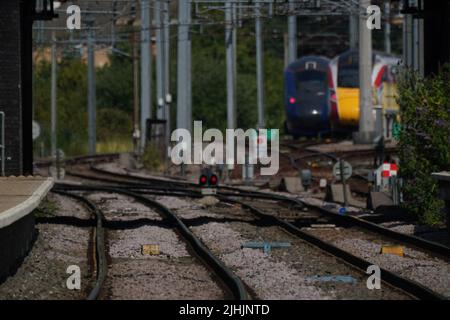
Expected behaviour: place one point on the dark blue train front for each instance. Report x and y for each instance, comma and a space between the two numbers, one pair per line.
307, 96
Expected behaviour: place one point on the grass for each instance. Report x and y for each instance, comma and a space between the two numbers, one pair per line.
116, 145
47, 208
152, 158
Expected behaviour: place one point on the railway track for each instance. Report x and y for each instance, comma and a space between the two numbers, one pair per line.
272, 274
107, 157
138, 182
345, 237
99, 245
297, 204
231, 283
299, 246
177, 189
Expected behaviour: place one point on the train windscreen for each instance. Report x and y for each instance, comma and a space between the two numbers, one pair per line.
311, 84
348, 76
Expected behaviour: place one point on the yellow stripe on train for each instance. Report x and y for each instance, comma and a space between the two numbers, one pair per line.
348, 103
348, 106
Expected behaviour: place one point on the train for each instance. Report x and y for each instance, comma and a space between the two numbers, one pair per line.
307, 96
322, 95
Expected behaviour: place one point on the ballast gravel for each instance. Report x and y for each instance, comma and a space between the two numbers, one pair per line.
68, 207
254, 268
174, 273
431, 272
42, 275
293, 273
195, 208
117, 207
128, 243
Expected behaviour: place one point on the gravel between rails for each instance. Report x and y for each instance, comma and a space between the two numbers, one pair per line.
173, 274
439, 235
196, 208
254, 268
284, 274
128, 243
68, 207
427, 270
117, 207
42, 275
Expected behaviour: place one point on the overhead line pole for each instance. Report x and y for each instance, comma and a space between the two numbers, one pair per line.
229, 44
387, 28
54, 106
408, 40
366, 132
184, 110
259, 66
234, 20
292, 33
146, 72
136, 103
167, 97
92, 112
353, 31
160, 83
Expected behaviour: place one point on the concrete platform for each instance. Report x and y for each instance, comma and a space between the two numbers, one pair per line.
19, 196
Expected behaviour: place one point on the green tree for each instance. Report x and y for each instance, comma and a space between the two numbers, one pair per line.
424, 140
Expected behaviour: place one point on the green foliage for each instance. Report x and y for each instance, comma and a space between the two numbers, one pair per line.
115, 84
151, 159
113, 124
114, 102
47, 208
71, 104
209, 99
424, 140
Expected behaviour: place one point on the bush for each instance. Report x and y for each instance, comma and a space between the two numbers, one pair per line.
424, 140
151, 159
113, 124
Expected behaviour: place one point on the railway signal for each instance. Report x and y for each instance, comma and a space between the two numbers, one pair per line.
208, 181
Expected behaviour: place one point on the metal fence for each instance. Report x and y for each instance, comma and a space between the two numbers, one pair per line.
2, 141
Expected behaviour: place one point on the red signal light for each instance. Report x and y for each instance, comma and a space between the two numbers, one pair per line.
292, 100
213, 180
203, 180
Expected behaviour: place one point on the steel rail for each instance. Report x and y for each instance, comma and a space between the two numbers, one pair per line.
231, 281
81, 159
423, 244
411, 287
100, 255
